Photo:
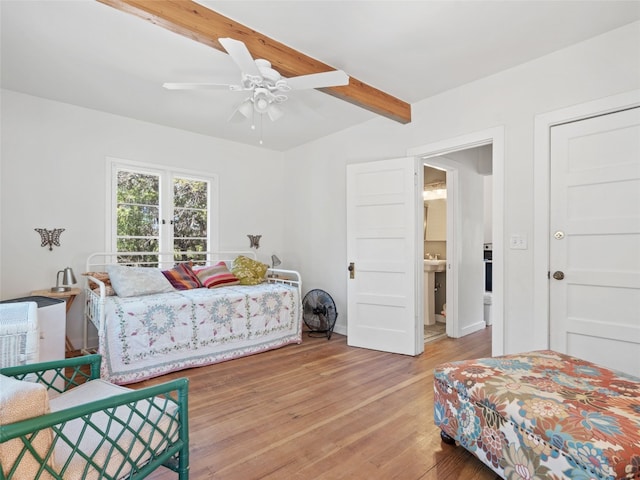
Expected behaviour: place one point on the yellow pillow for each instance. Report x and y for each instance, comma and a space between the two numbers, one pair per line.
249, 271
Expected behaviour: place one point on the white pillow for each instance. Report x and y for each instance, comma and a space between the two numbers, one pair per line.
135, 281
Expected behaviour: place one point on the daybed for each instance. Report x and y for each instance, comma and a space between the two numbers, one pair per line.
542, 415
88, 429
144, 335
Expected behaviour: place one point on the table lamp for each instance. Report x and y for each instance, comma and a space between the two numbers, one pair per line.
68, 278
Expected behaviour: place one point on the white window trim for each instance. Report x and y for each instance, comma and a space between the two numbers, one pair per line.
112, 164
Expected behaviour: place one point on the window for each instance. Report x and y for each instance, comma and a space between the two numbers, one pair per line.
156, 210
190, 214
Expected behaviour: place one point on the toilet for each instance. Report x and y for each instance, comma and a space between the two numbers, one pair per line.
488, 296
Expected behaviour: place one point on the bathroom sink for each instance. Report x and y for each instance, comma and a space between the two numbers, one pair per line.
431, 267
435, 265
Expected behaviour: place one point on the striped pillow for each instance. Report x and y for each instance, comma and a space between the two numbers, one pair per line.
182, 277
217, 275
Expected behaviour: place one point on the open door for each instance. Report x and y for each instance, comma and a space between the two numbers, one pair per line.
382, 252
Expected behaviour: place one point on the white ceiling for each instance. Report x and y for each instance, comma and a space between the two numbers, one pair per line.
89, 54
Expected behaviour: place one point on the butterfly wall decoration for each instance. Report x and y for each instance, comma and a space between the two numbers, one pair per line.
254, 241
50, 237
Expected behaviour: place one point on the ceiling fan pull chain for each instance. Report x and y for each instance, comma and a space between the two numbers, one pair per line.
253, 116
261, 116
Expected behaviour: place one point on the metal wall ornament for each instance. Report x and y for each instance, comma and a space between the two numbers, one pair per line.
49, 237
254, 241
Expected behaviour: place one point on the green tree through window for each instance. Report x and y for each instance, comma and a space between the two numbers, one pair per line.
190, 225
138, 212
161, 212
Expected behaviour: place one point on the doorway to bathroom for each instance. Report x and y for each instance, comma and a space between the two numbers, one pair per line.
434, 196
458, 224
472, 166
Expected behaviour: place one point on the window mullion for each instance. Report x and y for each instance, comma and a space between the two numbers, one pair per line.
113, 202
166, 209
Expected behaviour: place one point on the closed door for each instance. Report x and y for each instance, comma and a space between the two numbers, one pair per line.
594, 290
382, 239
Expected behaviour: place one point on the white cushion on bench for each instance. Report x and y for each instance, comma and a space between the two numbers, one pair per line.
91, 443
20, 400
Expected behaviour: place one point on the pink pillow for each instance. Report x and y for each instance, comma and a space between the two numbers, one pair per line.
217, 275
182, 277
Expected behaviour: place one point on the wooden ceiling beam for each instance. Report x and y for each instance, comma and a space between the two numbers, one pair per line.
194, 21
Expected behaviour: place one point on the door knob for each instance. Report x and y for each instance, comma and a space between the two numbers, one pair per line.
558, 275
352, 270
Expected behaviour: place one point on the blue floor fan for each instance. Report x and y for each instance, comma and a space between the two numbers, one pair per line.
319, 313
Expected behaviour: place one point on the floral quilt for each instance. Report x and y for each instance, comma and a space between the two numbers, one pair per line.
146, 336
542, 415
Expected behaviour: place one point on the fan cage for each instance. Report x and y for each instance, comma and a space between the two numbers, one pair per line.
319, 313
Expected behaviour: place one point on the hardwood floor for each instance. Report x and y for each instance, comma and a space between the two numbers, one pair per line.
323, 410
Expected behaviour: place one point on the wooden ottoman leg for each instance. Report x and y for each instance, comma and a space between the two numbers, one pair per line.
447, 439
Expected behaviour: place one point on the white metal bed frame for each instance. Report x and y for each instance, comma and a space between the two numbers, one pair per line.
94, 303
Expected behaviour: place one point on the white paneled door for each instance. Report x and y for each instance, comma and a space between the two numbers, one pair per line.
594, 289
382, 236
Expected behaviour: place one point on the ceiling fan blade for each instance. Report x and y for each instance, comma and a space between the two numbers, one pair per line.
201, 86
319, 80
239, 53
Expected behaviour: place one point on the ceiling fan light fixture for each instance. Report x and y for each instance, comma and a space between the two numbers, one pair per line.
246, 108
274, 112
261, 105
261, 100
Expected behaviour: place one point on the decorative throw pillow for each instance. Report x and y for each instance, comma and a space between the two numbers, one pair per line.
217, 275
249, 271
136, 281
182, 277
102, 276
108, 291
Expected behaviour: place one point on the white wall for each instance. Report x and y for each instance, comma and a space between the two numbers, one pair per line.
436, 220
315, 235
53, 176
488, 209
470, 228
52, 173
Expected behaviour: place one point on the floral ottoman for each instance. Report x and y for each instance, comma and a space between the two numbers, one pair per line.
541, 415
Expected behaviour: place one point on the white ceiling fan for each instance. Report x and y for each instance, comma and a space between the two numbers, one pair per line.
266, 86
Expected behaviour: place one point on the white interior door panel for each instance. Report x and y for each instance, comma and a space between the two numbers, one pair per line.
594, 291
382, 237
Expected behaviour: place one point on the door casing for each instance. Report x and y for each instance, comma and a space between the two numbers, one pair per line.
494, 136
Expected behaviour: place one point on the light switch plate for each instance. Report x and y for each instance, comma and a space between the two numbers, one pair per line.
518, 242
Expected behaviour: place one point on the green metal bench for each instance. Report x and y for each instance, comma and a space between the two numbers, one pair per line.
89, 429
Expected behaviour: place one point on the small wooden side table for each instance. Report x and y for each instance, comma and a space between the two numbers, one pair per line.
68, 297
